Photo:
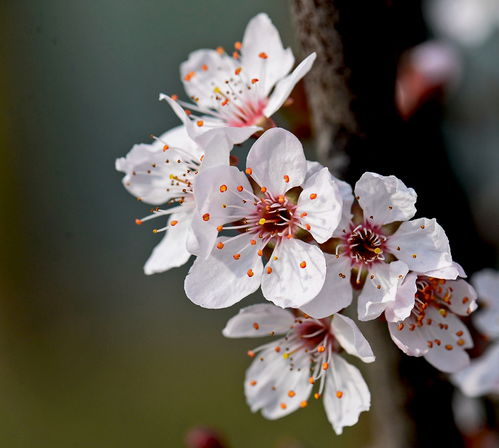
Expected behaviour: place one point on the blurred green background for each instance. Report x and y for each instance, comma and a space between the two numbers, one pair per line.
92, 352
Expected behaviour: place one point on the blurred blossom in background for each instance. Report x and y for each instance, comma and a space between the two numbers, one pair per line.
92, 351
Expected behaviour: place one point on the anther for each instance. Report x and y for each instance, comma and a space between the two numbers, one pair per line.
339, 394
166, 148
251, 353
253, 383
311, 380
174, 97
138, 221
189, 76
237, 257
263, 55
256, 326
220, 245
248, 171
291, 393
254, 80
250, 273
317, 395
173, 223
303, 404
200, 123
238, 45
206, 217
252, 242
235, 55
263, 189
325, 366
303, 264
269, 270
321, 349
237, 70
220, 50
286, 178
283, 406
313, 196
262, 221
223, 188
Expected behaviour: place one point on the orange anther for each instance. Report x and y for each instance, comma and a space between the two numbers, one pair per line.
204, 67
174, 97
460, 342
459, 333
187, 112
220, 50
220, 245
254, 80
225, 102
303, 215
308, 226
250, 273
251, 353
206, 217
291, 393
220, 228
263, 55
223, 188
449, 347
252, 242
240, 188
317, 395
269, 270
286, 178
138, 221
283, 406
253, 383
277, 349
256, 326
249, 171
400, 326
236, 257
414, 256
281, 199
313, 196
166, 148
339, 394
260, 252
200, 123
321, 349
263, 189
237, 70
173, 223
303, 404
189, 76
311, 380
238, 45
303, 264
325, 366
235, 55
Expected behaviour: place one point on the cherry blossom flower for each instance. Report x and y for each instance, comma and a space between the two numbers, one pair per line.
482, 376
279, 226
239, 92
163, 173
379, 248
284, 372
423, 321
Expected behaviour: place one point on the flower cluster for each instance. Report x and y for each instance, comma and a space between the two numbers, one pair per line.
286, 225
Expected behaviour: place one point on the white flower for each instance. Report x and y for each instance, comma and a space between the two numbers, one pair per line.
284, 372
376, 253
482, 376
239, 92
423, 320
163, 173
287, 206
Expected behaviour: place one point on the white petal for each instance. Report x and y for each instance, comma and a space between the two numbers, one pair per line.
346, 214
482, 376
261, 36
322, 202
463, 299
277, 161
146, 171
448, 361
286, 85
421, 244
263, 319
450, 272
409, 338
209, 69
220, 281
487, 322
380, 288
289, 284
385, 199
355, 398
486, 283
336, 293
269, 383
172, 251
401, 308
350, 338
218, 204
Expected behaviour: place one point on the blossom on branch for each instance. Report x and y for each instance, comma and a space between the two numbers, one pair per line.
279, 213
163, 173
239, 92
375, 246
284, 372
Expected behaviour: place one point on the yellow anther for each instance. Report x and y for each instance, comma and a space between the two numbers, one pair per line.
262, 221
